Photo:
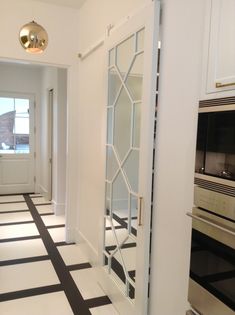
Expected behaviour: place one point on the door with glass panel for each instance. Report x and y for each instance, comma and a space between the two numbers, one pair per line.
16, 143
132, 52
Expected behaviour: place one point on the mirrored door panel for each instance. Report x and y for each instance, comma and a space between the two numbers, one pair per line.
122, 158
132, 57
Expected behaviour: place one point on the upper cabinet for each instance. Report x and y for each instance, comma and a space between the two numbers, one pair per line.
219, 54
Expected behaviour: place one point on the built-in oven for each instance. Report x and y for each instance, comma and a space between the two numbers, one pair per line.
212, 265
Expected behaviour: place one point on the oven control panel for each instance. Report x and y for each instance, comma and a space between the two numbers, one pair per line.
216, 202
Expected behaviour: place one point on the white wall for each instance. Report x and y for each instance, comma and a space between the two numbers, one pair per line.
56, 79
27, 80
180, 76
15, 13
61, 51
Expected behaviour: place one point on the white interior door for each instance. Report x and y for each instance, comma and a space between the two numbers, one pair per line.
132, 53
16, 143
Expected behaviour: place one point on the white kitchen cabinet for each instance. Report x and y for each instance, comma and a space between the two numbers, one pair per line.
219, 54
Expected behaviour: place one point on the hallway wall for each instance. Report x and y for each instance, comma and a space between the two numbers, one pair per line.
62, 52
56, 79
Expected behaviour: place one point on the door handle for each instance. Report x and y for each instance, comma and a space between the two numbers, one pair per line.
140, 210
220, 85
219, 227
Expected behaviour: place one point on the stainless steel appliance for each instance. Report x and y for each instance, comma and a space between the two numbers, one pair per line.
212, 266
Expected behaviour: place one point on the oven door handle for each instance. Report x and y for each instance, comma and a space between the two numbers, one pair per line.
219, 227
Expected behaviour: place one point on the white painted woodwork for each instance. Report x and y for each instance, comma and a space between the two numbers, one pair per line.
219, 66
146, 18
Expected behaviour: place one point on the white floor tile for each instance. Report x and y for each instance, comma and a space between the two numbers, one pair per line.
18, 230
45, 209
134, 223
72, 254
22, 249
129, 257
15, 217
121, 235
57, 234
85, 280
11, 198
45, 304
123, 213
13, 206
108, 223
26, 276
53, 219
104, 310
39, 200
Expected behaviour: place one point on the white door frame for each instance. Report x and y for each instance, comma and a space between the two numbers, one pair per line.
50, 111
72, 96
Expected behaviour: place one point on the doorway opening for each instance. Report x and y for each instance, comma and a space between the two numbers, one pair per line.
33, 113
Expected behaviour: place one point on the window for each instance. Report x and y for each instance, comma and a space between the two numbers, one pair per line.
14, 125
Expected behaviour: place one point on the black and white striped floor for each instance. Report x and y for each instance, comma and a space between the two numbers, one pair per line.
39, 273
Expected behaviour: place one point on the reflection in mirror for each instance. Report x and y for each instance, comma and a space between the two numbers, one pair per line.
135, 78
122, 160
122, 124
114, 86
120, 197
131, 167
111, 164
125, 54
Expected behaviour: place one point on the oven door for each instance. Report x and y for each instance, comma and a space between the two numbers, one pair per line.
212, 267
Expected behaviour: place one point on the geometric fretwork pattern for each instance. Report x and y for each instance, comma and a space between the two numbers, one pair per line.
125, 73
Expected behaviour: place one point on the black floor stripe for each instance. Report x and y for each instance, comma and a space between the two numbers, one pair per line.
72, 293
99, 301
116, 228
16, 239
79, 266
127, 245
43, 214
7, 202
24, 260
42, 204
14, 211
16, 223
30, 292
63, 244
55, 226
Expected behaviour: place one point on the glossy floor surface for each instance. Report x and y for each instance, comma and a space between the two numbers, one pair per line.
40, 274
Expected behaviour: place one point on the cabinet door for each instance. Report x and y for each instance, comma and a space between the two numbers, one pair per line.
221, 58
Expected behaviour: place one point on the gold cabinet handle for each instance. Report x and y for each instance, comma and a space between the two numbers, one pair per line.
220, 85
140, 209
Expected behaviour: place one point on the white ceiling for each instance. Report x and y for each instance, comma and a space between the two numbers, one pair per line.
76, 4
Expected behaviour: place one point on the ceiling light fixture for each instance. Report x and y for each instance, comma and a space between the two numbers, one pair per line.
33, 38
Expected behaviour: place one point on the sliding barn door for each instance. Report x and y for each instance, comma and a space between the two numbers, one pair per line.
132, 55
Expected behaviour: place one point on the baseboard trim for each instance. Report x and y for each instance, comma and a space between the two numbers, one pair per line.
89, 251
59, 208
111, 289
43, 191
